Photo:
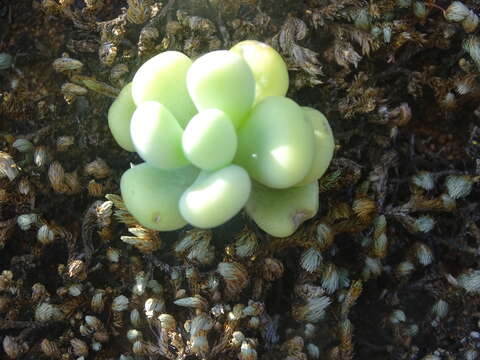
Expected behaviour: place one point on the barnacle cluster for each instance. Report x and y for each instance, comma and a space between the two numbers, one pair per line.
387, 269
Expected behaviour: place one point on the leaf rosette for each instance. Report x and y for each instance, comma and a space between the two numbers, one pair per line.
217, 135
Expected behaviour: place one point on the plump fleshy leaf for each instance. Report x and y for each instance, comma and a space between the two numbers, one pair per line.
209, 140
163, 79
324, 144
157, 136
276, 143
268, 68
222, 80
119, 117
151, 195
280, 212
215, 197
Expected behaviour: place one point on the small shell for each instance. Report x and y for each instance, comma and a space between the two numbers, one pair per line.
423, 254
107, 53
23, 145
12, 348
362, 19
154, 306
76, 268
247, 351
404, 3
235, 276
97, 86
8, 167
79, 347
424, 180
49, 348
135, 318
117, 74
309, 331
470, 23
420, 10
167, 322
72, 182
272, 269
26, 221
144, 240
144, 348
148, 35
95, 189
364, 207
472, 46
113, 255
237, 338
98, 301
93, 322
449, 101
372, 268
155, 286
71, 89
147, 42
424, 223
6, 278
313, 310
199, 345
254, 308
4, 196
56, 175
397, 316
104, 213
45, 235
134, 335
440, 309
64, 142
47, 312
38, 292
330, 278
470, 281
62, 291
311, 260
245, 243
4, 303
404, 268
5, 61
456, 12
459, 186
75, 290
64, 64
87, 46
120, 303
181, 293
24, 187
40, 156
101, 336
195, 302
200, 324
98, 169
313, 351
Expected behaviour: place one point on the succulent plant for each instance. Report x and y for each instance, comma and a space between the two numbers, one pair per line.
218, 134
